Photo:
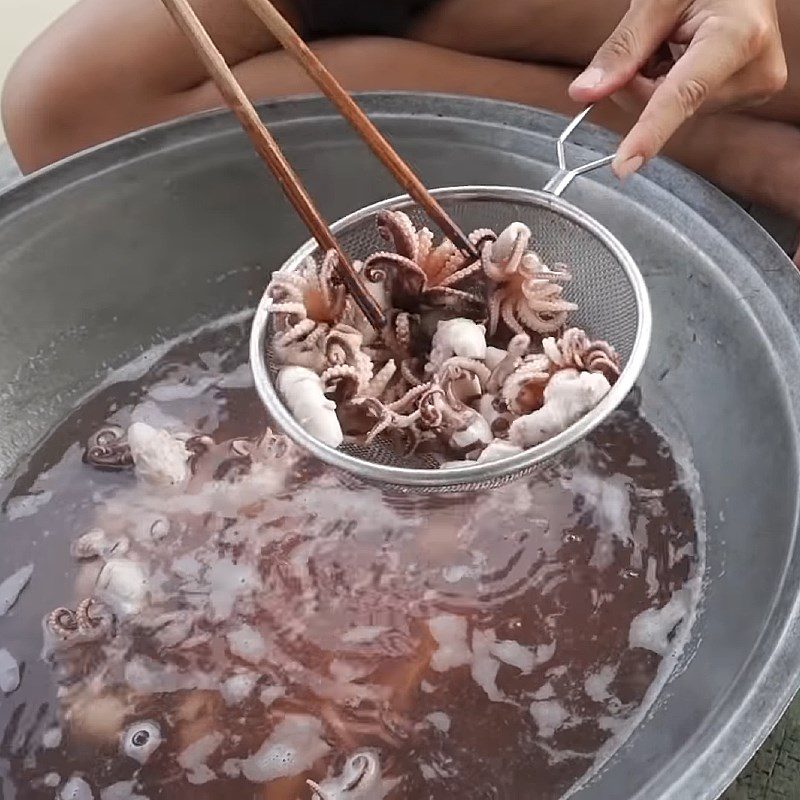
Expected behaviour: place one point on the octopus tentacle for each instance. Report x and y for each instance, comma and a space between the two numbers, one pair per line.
575, 349
558, 275
540, 321
286, 294
601, 357
387, 417
343, 380
343, 344
424, 247
468, 365
507, 255
461, 275
541, 303
496, 302
439, 259
507, 313
437, 412
456, 299
288, 285
397, 227
481, 236
405, 276
93, 618
402, 331
377, 385
517, 348
293, 311
297, 332
63, 622
413, 394
108, 449
299, 344
407, 371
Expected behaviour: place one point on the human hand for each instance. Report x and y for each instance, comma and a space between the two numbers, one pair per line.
733, 57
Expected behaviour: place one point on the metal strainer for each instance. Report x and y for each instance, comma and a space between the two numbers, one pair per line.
613, 304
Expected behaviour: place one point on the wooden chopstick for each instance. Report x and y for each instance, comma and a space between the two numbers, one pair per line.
268, 149
291, 41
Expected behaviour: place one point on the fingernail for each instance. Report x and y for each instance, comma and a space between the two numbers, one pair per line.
589, 79
626, 168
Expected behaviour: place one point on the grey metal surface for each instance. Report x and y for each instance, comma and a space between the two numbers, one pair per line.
102, 256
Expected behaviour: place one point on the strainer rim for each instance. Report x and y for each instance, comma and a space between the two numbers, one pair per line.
472, 472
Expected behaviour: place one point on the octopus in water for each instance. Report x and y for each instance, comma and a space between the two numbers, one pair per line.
466, 357
108, 449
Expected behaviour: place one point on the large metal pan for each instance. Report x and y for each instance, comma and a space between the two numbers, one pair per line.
149, 236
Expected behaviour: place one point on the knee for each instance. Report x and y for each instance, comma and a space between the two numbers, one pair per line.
35, 109
41, 107
56, 102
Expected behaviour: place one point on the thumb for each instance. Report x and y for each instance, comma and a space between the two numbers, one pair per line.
643, 29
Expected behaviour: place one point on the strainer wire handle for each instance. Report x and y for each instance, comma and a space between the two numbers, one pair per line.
564, 177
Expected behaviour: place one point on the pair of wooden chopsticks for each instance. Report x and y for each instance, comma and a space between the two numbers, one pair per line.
267, 148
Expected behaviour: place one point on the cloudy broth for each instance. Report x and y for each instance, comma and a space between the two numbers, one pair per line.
273, 625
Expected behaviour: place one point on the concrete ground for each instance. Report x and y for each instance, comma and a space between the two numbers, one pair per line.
774, 773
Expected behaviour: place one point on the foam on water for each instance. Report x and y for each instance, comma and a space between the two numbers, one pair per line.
11, 588
549, 716
193, 758
440, 721
247, 643
450, 633
293, 747
676, 653
597, 684
238, 688
76, 788
27, 505
122, 790
654, 628
9, 672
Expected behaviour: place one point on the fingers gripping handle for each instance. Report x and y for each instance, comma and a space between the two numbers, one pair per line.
564, 177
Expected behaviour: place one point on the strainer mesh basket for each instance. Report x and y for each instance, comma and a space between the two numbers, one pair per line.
606, 285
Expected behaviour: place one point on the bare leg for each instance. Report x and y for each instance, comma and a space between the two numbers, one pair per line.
106, 68
728, 149
68, 109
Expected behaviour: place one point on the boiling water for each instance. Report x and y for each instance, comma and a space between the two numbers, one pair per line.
274, 625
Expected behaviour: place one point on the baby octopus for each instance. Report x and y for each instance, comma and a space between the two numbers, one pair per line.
476, 361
